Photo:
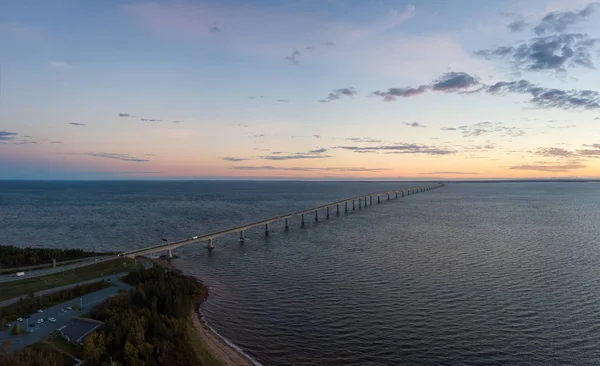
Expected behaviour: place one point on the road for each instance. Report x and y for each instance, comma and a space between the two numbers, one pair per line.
112, 278
46, 271
39, 331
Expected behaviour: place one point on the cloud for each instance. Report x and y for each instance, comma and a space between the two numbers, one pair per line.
454, 82
554, 152
364, 139
151, 120
177, 121
59, 64
256, 97
455, 173
77, 124
403, 148
329, 44
293, 57
5, 135
338, 93
392, 93
318, 151
105, 155
413, 124
556, 168
557, 22
126, 115
556, 52
517, 26
595, 146
215, 29
545, 98
56, 142
229, 158
256, 136
283, 100
309, 169
295, 156
482, 128
562, 127
448, 128
316, 136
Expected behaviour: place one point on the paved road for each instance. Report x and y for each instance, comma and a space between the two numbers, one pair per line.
43, 272
60, 288
38, 332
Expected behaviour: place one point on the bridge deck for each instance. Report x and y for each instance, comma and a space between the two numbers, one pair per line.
177, 244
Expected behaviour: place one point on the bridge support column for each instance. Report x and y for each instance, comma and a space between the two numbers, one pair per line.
371, 200
287, 226
337, 209
396, 194
316, 215
378, 199
266, 229
352, 205
346, 207
170, 253
360, 203
302, 220
210, 245
327, 212
242, 237
388, 196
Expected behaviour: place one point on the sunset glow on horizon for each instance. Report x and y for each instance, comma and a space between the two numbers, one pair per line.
309, 89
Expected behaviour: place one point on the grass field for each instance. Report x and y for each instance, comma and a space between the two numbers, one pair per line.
12, 289
59, 342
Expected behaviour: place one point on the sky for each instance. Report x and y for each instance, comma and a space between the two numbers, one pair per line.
302, 89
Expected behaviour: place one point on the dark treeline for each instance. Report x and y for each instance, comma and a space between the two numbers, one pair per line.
31, 304
150, 325
11, 256
35, 355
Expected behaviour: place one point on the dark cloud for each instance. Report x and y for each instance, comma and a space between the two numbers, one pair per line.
318, 151
126, 115
150, 120
457, 173
554, 152
215, 29
364, 139
310, 169
293, 57
448, 128
392, 93
329, 44
555, 168
256, 136
400, 149
105, 155
595, 146
413, 124
316, 136
482, 128
545, 98
309, 48
338, 93
5, 135
256, 97
517, 26
296, 156
589, 153
454, 82
556, 53
229, 158
559, 21
76, 124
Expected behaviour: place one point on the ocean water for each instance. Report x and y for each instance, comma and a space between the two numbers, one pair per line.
471, 274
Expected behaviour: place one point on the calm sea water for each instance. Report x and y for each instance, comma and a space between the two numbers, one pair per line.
472, 274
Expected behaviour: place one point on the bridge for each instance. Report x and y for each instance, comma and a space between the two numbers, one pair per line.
353, 204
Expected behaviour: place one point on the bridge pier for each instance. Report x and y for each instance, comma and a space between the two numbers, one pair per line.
287, 226
266, 229
396, 194
388, 196
346, 207
242, 237
371, 200
378, 199
210, 245
316, 215
352, 205
302, 220
327, 212
360, 203
337, 209
169, 253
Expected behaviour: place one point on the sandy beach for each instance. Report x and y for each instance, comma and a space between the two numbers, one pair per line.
219, 348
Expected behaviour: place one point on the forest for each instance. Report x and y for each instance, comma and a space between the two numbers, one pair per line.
149, 325
11, 256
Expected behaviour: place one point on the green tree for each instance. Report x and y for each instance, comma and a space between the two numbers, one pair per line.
131, 355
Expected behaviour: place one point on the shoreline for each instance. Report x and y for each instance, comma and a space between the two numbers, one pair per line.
223, 349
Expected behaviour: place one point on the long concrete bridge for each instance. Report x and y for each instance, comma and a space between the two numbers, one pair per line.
333, 208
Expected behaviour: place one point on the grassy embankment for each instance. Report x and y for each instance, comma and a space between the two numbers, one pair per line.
4, 271
17, 288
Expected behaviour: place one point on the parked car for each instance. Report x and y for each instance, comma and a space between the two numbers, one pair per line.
63, 310
20, 319
40, 311
52, 320
69, 308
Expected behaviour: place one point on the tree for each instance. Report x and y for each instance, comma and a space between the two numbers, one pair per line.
6, 346
131, 355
